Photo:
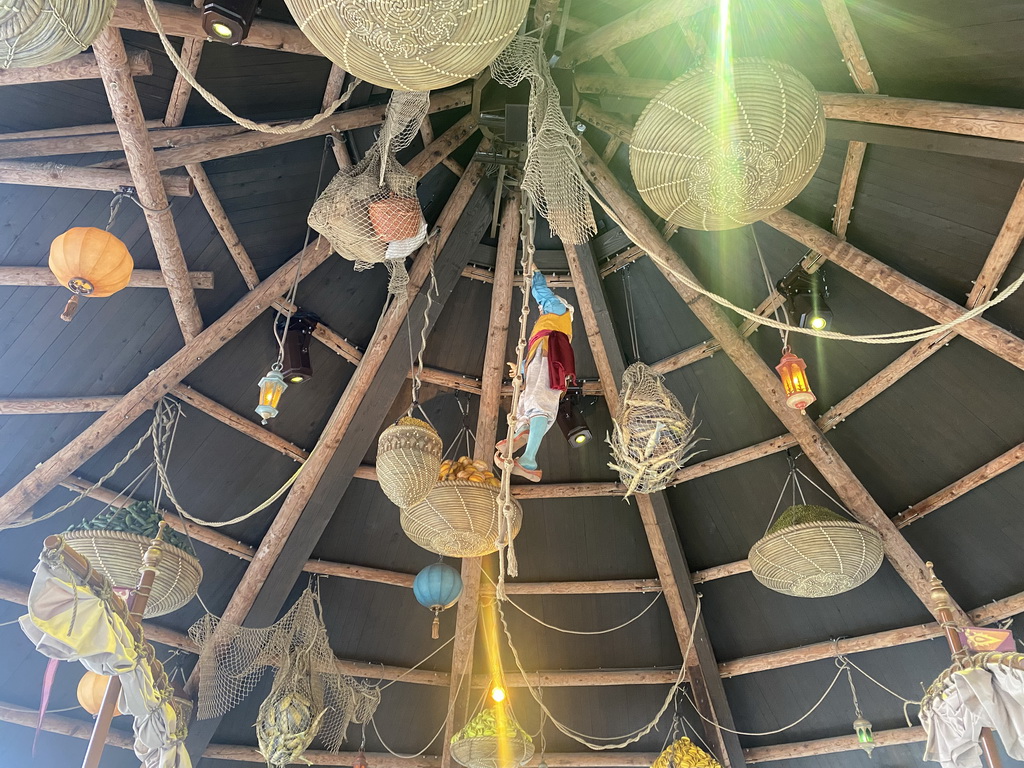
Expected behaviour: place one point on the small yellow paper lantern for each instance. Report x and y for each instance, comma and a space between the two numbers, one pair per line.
91, 689
793, 372
89, 262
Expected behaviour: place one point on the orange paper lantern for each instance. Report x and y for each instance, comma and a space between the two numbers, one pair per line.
793, 372
91, 688
89, 262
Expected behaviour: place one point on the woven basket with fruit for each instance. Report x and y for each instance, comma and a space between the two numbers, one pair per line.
492, 739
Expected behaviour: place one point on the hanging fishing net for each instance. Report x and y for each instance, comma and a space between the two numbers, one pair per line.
653, 436
370, 212
552, 174
309, 697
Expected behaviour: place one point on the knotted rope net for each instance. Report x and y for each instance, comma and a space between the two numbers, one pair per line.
653, 436
552, 174
309, 697
370, 212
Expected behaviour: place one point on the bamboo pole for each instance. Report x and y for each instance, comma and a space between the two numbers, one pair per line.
124, 103
80, 67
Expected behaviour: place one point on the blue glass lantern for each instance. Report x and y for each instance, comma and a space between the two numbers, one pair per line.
437, 587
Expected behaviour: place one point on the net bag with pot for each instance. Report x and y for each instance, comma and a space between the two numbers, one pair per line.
370, 212
718, 150
461, 517
408, 461
492, 739
38, 32
653, 436
114, 543
811, 551
409, 45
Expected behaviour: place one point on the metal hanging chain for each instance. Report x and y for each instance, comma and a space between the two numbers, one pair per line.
417, 363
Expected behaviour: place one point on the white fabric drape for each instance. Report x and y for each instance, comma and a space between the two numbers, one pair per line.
67, 621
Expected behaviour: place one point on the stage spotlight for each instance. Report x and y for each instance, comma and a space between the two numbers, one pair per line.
805, 296
296, 366
228, 21
570, 419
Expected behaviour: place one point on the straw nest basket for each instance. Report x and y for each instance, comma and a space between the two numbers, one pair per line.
410, 45
408, 461
718, 153
118, 556
492, 752
459, 518
811, 551
38, 32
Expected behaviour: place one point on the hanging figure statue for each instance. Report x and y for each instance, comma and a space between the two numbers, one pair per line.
550, 370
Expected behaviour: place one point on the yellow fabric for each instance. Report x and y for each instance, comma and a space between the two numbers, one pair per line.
683, 753
549, 322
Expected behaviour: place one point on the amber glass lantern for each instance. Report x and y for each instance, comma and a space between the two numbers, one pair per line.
793, 372
272, 386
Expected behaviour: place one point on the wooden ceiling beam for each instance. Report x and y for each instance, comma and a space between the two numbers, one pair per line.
77, 141
191, 53
468, 608
80, 67
355, 422
127, 111
436, 151
639, 23
927, 141
220, 220
332, 92
764, 381
30, 489
662, 536
75, 177
252, 141
73, 130
838, 16
185, 21
141, 278
33, 406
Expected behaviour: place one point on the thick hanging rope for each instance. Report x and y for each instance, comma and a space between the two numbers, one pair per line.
896, 337
506, 549
220, 106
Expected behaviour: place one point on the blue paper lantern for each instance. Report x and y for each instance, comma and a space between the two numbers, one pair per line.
437, 587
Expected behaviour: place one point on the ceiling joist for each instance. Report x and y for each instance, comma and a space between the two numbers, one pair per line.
80, 67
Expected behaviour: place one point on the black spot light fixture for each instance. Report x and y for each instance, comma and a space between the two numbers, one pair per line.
228, 21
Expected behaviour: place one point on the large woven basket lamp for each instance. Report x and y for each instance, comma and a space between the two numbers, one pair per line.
410, 45
408, 460
38, 32
114, 543
459, 518
714, 151
810, 551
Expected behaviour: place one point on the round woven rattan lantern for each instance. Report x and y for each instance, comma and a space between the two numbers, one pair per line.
408, 461
38, 32
479, 745
712, 152
410, 45
459, 518
811, 551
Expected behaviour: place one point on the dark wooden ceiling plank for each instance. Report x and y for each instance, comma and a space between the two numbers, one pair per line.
813, 443
673, 570
30, 489
124, 104
354, 423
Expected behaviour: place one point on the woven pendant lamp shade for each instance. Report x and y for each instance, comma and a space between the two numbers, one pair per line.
408, 461
811, 551
410, 45
712, 152
38, 32
459, 518
492, 739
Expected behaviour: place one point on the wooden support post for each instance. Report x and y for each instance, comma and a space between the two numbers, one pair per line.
468, 609
849, 43
332, 91
141, 278
354, 423
434, 153
673, 571
80, 67
124, 103
632, 26
30, 489
220, 220
191, 52
75, 177
814, 444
